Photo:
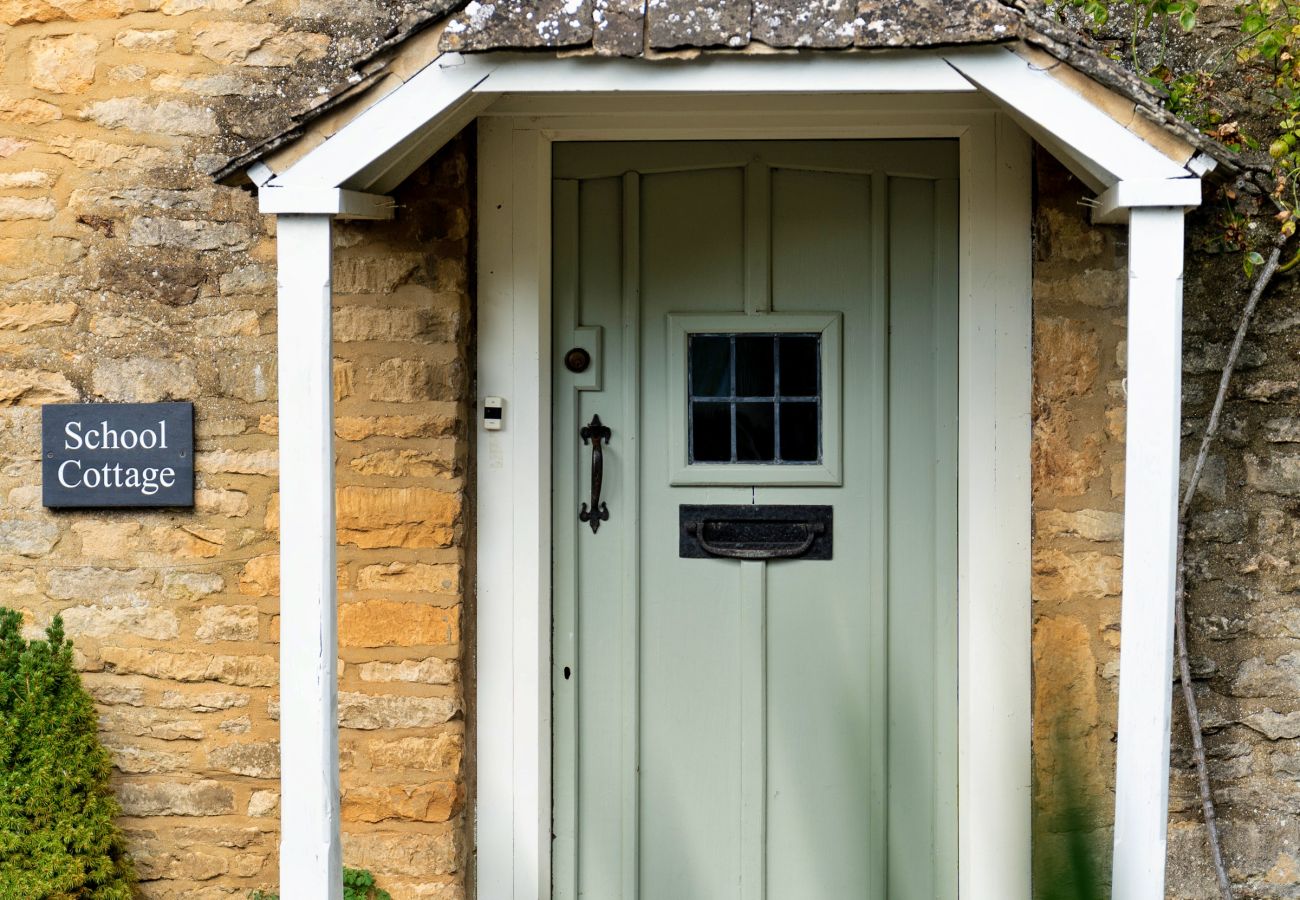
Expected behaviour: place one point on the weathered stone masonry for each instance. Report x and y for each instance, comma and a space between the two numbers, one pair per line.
126, 274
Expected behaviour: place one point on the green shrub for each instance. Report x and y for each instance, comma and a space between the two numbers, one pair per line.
58, 840
358, 884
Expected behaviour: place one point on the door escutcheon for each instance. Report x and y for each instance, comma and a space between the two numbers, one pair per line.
595, 432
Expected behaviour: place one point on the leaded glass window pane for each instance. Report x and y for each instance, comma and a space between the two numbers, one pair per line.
755, 398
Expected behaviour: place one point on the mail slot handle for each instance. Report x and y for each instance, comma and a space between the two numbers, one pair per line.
767, 551
755, 532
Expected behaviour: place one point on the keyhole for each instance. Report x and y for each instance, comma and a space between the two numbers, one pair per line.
567, 673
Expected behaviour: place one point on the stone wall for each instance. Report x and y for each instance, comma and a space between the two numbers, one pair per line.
1242, 581
126, 274
1080, 292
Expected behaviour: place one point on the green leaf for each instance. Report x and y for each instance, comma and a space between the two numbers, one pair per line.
1187, 19
1254, 258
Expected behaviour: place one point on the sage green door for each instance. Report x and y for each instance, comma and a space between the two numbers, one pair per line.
767, 711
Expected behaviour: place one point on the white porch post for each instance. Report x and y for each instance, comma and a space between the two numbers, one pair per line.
311, 862
1155, 318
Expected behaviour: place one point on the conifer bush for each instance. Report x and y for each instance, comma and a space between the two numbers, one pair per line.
58, 838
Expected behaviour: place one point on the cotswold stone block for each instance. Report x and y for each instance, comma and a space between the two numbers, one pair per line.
186, 234
231, 504
397, 517
22, 12
435, 802
30, 539
26, 316
206, 701
263, 803
146, 40
147, 761
429, 754
227, 623
62, 65
1274, 474
397, 853
1089, 524
202, 798
256, 760
238, 462
380, 274
16, 208
167, 117
367, 712
377, 323
191, 585
1259, 678
95, 583
409, 463
152, 723
106, 540
1274, 725
107, 621
33, 179
27, 111
417, 577
414, 380
251, 44
244, 671
358, 428
261, 576
1062, 576
384, 623
143, 379
433, 670
32, 387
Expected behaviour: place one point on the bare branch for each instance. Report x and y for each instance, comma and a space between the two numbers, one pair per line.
1263, 277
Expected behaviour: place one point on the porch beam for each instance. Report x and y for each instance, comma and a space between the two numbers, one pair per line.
1104, 148
1154, 415
311, 859
1114, 203
274, 198
394, 124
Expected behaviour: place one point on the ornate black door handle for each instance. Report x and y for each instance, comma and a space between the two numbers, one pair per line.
595, 433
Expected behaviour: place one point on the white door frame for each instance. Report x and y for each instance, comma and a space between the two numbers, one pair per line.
514, 464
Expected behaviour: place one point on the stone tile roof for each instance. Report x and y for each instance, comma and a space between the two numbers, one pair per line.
641, 27
670, 28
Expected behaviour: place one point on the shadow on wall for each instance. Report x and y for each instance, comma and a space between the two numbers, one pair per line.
1072, 849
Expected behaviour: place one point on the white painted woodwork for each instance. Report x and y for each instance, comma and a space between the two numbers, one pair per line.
1114, 203
513, 488
1045, 106
920, 72
1155, 309
993, 550
275, 198
426, 111
311, 863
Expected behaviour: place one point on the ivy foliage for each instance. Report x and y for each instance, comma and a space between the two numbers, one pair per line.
1244, 92
358, 884
58, 839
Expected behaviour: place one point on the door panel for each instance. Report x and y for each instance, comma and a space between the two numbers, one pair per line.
746, 729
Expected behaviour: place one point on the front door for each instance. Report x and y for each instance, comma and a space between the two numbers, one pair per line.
755, 633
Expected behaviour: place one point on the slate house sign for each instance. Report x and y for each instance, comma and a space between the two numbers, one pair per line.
117, 454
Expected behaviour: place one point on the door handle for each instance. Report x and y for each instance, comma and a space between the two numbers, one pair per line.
595, 432
811, 530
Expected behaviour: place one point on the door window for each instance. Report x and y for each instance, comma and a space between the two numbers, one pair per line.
755, 398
